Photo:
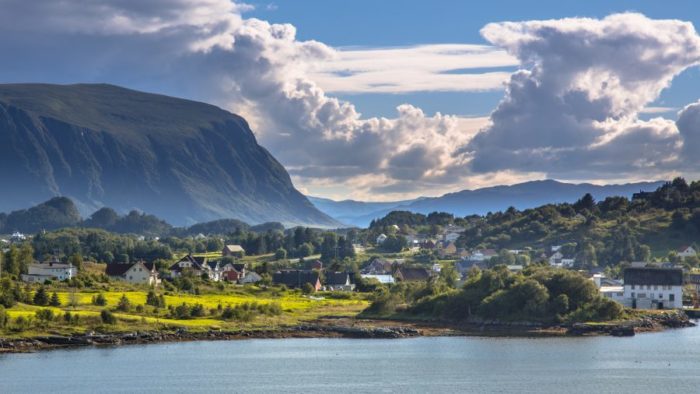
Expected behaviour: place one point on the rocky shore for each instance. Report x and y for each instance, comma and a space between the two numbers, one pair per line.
113, 339
645, 323
355, 328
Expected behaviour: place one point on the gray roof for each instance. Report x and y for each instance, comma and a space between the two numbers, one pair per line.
654, 276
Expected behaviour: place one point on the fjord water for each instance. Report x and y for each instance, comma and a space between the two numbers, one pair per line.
651, 363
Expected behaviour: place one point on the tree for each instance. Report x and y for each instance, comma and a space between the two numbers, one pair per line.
587, 202
77, 260
40, 297
124, 304
99, 300
107, 317
280, 254
329, 246
307, 288
54, 300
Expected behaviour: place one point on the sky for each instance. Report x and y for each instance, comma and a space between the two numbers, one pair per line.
387, 100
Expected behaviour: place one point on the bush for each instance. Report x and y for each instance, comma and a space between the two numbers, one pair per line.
99, 300
154, 300
21, 323
107, 317
40, 297
55, 301
124, 305
45, 315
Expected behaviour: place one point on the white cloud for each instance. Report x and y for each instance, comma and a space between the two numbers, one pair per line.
423, 68
573, 112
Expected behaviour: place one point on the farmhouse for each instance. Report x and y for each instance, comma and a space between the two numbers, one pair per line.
686, 251
50, 270
233, 251
196, 265
134, 273
233, 272
408, 274
653, 288
338, 281
295, 279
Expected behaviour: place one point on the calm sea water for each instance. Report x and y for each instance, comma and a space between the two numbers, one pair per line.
652, 363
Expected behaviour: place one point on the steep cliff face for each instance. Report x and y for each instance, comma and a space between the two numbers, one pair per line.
103, 145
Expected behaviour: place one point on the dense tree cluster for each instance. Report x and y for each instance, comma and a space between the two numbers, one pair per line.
539, 293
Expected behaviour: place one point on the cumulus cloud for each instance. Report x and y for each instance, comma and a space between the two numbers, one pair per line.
573, 109
689, 128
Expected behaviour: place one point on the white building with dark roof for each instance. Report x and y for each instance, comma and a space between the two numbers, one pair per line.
653, 288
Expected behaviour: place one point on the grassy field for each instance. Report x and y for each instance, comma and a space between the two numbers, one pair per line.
295, 308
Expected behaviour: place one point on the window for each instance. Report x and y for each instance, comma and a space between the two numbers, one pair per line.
671, 297
632, 289
655, 286
661, 296
632, 294
642, 295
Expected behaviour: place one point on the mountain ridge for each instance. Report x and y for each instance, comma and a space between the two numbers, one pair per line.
104, 145
480, 201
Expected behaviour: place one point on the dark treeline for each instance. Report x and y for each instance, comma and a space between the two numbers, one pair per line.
60, 212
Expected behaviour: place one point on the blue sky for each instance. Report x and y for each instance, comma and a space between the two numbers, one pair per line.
411, 22
388, 99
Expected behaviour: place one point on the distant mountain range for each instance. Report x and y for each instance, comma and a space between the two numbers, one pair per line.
102, 145
479, 201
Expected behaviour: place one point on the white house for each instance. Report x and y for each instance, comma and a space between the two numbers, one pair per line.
52, 270
653, 288
451, 236
17, 237
139, 273
557, 259
381, 238
686, 251
483, 255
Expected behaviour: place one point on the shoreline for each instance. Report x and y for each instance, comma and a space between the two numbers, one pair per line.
356, 328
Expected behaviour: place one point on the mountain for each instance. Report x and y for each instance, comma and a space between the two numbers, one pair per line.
347, 211
481, 201
103, 145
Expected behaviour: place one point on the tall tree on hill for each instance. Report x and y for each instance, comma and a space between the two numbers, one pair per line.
329, 247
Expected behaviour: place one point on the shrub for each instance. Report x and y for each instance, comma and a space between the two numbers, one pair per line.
45, 315
40, 297
124, 304
99, 300
21, 323
107, 317
197, 311
54, 300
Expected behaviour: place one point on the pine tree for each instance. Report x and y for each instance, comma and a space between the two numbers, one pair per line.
40, 297
54, 300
